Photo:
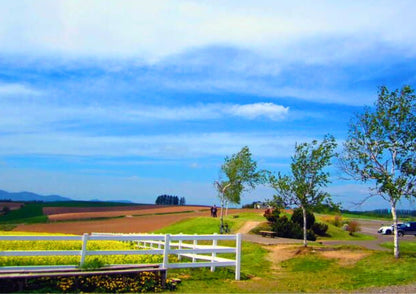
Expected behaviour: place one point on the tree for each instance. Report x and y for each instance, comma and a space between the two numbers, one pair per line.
380, 149
303, 186
238, 173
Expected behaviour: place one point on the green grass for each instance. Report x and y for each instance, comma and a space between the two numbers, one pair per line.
336, 233
198, 225
407, 248
29, 213
306, 272
309, 272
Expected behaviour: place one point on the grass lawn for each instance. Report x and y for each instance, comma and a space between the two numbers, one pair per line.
336, 233
210, 225
292, 268
316, 269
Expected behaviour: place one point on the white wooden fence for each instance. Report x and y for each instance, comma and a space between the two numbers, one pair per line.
184, 246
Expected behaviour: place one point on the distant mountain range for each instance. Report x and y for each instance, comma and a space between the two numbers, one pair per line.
29, 196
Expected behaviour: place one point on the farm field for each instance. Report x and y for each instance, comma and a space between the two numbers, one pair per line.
10, 205
143, 220
337, 263
79, 213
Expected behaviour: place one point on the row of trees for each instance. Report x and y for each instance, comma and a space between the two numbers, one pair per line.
379, 151
169, 200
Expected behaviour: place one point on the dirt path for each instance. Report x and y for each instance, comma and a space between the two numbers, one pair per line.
247, 227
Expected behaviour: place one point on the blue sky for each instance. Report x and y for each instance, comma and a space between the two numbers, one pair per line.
133, 99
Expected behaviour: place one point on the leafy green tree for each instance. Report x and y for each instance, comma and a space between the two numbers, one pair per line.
238, 173
303, 186
380, 149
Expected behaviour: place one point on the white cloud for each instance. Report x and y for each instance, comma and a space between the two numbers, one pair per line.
268, 110
36, 116
15, 89
154, 29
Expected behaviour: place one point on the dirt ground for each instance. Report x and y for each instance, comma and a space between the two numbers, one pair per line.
247, 227
79, 213
60, 210
139, 224
11, 205
128, 223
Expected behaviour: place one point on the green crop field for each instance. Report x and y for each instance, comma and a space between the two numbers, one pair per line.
32, 212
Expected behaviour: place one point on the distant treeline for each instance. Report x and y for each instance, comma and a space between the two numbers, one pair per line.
384, 212
169, 200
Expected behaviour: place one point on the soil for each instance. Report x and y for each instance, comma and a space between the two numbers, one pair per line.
345, 257
247, 227
79, 213
11, 205
61, 210
140, 224
281, 253
146, 222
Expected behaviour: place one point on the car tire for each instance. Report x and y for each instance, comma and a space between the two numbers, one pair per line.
388, 232
400, 234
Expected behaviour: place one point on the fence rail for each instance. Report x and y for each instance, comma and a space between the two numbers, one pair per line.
184, 246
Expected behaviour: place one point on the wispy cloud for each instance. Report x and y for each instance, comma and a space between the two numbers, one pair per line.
36, 116
15, 89
94, 28
181, 145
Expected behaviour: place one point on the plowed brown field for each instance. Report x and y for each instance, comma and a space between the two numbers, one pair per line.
78, 213
141, 224
129, 224
11, 205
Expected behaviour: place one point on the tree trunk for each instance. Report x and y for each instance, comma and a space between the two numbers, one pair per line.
396, 251
222, 216
305, 241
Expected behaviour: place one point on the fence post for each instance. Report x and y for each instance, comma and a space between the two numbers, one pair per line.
180, 247
84, 248
166, 251
237, 256
214, 245
194, 247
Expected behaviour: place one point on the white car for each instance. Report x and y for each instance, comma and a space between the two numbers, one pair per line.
387, 230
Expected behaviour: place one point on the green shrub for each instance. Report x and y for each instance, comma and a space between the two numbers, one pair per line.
320, 229
310, 235
297, 217
286, 228
271, 214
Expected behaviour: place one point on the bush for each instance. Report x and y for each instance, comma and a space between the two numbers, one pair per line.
334, 220
310, 235
297, 217
338, 221
271, 214
287, 229
352, 227
320, 229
